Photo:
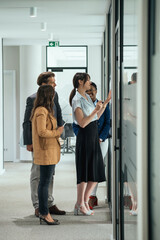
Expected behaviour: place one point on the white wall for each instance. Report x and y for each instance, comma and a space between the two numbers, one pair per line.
94, 66
43, 58
1, 112
11, 62
28, 63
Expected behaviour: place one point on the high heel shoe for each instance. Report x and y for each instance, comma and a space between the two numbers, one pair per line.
42, 219
133, 213
78, 209
87, 207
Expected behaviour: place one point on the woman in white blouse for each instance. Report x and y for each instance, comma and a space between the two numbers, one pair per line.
89, 161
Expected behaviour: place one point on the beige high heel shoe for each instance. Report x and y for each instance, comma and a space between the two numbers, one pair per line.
87, 207
78, 209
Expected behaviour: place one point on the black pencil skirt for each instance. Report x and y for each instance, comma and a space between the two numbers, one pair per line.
89, 161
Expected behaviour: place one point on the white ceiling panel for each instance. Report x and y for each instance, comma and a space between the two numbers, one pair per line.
70, 21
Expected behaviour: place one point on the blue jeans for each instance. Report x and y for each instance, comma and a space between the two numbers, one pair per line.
46, 173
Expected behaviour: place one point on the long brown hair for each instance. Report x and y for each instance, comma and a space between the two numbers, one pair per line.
78, 76
45, 95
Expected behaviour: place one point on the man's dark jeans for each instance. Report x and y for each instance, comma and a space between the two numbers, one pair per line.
46, 173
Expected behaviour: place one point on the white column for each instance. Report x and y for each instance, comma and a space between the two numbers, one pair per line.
1, 111
30, 68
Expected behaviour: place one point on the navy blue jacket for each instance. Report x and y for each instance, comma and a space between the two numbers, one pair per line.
103, 125
27, 125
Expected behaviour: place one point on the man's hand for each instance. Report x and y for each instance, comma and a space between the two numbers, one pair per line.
30, 148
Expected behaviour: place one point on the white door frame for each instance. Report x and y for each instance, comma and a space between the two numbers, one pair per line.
13, 73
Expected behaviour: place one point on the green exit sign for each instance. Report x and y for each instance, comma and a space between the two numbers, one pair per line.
54, 44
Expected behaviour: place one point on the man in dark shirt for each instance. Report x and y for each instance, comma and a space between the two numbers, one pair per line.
44, 78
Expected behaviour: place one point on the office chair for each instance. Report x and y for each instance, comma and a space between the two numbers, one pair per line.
66, 136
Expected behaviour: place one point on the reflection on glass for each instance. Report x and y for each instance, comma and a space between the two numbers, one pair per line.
154, 98
130, 63
133, 78
66, 56
129, 119
64, 87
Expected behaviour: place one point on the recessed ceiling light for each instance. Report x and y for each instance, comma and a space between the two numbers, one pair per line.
50, 37
33, 12
43, 26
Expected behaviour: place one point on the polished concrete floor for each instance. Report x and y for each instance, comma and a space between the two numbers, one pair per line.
17, 221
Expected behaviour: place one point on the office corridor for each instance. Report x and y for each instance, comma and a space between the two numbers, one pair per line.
18, 221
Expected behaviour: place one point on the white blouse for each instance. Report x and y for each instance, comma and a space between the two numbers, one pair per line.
87, 106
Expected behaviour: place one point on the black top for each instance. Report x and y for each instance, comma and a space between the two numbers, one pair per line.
27, 125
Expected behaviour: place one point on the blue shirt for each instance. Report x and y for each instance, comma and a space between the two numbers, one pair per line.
87, 106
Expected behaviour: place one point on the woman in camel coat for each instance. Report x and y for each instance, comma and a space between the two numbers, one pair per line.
46, 146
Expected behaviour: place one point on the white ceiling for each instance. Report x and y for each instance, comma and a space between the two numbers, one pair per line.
70, 21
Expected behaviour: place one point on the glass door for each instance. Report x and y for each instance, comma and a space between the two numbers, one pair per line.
64, 87
129, 120
109, 169
118, 117
117, 136
65, 61
154, 116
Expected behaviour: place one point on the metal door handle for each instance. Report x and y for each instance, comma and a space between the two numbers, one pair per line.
116, 148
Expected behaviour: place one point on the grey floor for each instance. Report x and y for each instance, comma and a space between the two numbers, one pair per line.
18, 222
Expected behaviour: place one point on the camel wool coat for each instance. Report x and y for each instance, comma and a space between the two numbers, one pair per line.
45, 137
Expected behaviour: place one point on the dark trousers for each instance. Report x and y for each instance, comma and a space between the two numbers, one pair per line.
46, 173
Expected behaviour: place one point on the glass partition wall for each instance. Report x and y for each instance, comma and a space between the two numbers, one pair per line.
105, 88
129, 118
154, 116
108, 57
65, 61
126, 63
67, 57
